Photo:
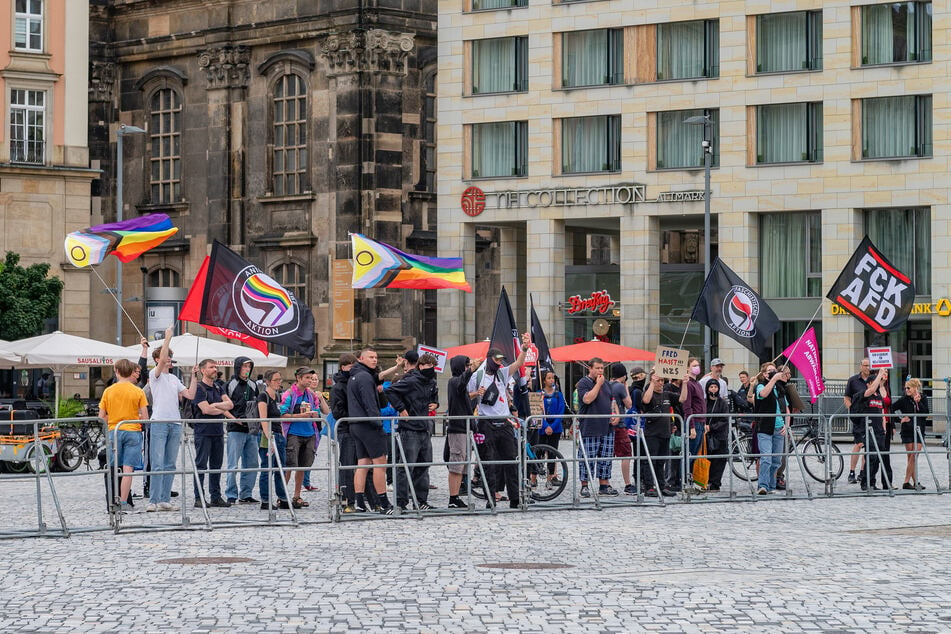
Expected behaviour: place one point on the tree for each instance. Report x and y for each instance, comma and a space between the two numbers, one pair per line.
28, 296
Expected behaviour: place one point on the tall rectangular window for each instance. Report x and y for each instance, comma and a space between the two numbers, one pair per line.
904, 237
591, 144
895, 127
789, 133
791, 254
680, 144
499, 150
592, 58
289, 129
483, 5
165, 131
27, 126
788, 41
687, 50
896, 32
28, 25
500, 65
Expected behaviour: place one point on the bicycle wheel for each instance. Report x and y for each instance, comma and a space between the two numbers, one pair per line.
550, 489
69, 456
743, 466
814, 459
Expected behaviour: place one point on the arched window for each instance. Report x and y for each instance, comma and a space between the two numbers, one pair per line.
165, 132
164, 278
289, 136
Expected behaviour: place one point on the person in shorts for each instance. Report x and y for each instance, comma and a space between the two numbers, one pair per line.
300, 404
369, 438
120, 402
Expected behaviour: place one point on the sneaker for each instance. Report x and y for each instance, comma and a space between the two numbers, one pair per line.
232, 500
651, 492
283, 505
389, 488
762, 491
349, 509
457, 503
852, 479
248, 500
585, 493
151, 508
174, 494
361, 508
424, 507
312, 488
125, 508
220, 503
919, 486
864, 487
198, 504
607, 490
630, 489
668, 493
713, 489
908, 486
167, 506
387, 510
555, 482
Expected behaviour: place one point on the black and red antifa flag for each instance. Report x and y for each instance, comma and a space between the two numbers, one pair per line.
873, 290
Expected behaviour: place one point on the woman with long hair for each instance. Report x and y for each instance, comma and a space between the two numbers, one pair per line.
914, 406
551, 430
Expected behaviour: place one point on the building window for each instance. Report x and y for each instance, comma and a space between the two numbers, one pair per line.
895, 127
484, 5
27, 126
499, 149
592, 58
688, 50
289, 129
166, 151
591, 144
789, 42
429, 134
28, 27
895, 33
291, 276
679, 144
164, 278
904, 237
500, 65
789, 133
791, 254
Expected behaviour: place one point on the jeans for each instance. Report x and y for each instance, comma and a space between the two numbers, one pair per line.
243, 446
280, 444
417, 447
770, 444
209, 454
164, 440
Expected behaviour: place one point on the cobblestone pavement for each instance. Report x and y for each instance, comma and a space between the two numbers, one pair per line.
847, 564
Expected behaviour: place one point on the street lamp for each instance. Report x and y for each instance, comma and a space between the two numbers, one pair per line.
120, 132
707, 145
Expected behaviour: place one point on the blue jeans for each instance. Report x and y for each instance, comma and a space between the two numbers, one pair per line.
768, 465
244, 446
128, 448
164, 440
280, 444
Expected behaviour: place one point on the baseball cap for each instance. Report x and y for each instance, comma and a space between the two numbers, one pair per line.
717, 361
411, 356
496, 355
301, 371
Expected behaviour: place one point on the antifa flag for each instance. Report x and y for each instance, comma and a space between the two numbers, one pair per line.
872, 290
544, 363
191, 309
239, 296
728, 305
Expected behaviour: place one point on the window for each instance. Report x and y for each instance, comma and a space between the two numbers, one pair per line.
291, 276
791, 254
687, 50
592, 58
680, 144
499, 149
591, 144
483, 5
164, 278
904, 237
788, 42
789, 133
500, 65
289, 129
893, 127
166, 151
895, 33
429, 134
28, 27
27, 126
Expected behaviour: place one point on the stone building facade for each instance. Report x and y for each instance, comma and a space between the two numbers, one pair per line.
276, 128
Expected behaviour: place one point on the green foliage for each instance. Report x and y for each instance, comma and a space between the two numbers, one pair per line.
28, 296
70, 408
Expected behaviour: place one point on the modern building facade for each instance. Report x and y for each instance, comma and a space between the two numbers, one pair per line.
575, 131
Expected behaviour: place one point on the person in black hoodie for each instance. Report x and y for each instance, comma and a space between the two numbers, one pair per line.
460, 404
242, 442
716, 430
338, 407
414, 396
368, 437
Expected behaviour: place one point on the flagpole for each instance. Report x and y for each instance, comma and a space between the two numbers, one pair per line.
799, 338
118, 302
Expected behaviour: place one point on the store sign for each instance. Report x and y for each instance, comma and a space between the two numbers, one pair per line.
680, 197
598, 302
941, 307
566, 197
473, 201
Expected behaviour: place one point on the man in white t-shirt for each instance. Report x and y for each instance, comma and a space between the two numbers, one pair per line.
165, 434
489, 385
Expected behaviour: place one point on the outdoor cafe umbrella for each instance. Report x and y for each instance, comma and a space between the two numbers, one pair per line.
189, 350
607, 352
477, 350
7, 357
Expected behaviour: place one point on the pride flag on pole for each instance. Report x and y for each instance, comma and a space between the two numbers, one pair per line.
378, 265
127, 239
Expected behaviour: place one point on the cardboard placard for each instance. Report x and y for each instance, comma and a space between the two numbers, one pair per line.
531, 356
879, 358
536, 403
441, 356
672, 362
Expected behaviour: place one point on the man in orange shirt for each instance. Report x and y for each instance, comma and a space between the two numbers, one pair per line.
123, 401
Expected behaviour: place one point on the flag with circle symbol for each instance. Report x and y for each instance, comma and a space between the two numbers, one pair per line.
127, 239
378, 265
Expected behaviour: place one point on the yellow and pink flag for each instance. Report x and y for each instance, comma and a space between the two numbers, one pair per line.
378, 265
127, 239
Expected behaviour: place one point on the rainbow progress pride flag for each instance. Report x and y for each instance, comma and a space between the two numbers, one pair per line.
127, 239
378, 265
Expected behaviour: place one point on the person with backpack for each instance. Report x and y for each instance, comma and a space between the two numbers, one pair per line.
244, 437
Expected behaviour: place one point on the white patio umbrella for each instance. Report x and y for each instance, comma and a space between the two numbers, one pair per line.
7, 357
189, 350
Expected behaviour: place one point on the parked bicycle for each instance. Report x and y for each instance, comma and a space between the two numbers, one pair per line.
538, 460
79, 444
811, 446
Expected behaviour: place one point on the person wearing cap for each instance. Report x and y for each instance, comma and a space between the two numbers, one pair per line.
300, 404
716, 372
623, 448
597, 431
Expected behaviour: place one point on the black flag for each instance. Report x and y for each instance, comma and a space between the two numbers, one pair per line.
240, 296
504, 331
728, 305
544, 363
873, 290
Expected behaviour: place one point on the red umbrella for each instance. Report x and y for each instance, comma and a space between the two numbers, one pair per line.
471, 350
609, 352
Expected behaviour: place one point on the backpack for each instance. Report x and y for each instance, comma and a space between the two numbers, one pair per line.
250, 401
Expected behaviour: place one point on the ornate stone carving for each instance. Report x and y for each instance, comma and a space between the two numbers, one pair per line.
225, 66
373, 50
102, 80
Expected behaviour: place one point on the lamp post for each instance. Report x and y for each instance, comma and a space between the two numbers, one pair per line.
707, 145
120, 132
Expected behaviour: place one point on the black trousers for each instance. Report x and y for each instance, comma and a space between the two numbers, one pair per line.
500, 444
417, 447
659, 449
209, 454
348, 458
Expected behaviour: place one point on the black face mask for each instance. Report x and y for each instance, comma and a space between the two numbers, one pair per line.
491, 366
429, 373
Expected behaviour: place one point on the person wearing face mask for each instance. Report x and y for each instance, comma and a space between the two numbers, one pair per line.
412, 397
716, 429
694, 406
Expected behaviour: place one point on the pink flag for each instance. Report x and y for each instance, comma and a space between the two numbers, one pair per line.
804, 354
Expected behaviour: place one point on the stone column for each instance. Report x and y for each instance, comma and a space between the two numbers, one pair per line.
842, 336
640, 271
512, 263
545, 276
456, 309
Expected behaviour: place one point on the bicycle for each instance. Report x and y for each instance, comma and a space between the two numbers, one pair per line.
811, 447
78, 445
537, 458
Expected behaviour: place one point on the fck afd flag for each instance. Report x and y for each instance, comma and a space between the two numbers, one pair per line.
873, 290
728, 305
239, 296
